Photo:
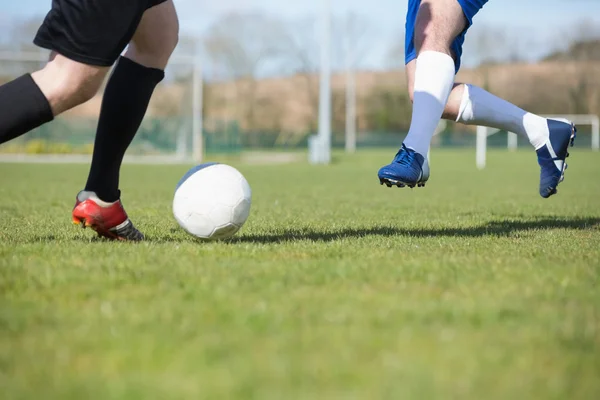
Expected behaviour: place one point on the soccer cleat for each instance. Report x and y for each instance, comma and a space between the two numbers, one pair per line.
109, 220
408, 168
552, 155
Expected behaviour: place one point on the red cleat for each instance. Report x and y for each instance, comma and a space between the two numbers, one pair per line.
109, 220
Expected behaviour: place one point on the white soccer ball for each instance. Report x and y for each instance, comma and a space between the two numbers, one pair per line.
212, 201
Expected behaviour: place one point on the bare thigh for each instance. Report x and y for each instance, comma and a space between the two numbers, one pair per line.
156, 36
438, 23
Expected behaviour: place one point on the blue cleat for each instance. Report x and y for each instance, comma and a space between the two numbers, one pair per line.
408, 168
552, 155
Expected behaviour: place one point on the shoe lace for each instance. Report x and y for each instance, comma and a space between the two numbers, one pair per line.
405, 157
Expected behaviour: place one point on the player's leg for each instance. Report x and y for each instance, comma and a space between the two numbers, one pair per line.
128, 94
472, 105
438, 23
550, 138
434, 36
34, 99
124, 105
86, 38
91, 33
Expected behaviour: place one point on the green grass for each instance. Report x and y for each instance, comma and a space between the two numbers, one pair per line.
472, 288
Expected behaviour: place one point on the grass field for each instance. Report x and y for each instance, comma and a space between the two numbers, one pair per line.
472, 288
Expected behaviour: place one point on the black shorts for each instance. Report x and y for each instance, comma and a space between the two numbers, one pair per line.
93, 32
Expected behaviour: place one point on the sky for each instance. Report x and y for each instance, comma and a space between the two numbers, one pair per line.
540, 22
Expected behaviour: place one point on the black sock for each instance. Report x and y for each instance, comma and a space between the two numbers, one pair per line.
23, 107
125, 102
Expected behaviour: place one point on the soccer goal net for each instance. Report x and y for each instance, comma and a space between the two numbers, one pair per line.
512, 141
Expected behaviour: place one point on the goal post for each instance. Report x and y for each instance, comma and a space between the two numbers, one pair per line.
484, 132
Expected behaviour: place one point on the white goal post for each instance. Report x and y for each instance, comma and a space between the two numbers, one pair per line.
483, 132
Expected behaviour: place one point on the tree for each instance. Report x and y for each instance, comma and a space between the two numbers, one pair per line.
350, 45
302, 58
17, 36
581, 43
354, 30
395, 54
242, 47
22, 32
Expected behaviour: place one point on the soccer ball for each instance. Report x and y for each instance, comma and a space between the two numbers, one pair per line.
212, 201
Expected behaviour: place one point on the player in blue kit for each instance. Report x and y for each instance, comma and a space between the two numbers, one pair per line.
435, 33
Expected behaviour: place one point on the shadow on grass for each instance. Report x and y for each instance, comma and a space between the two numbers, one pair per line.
492, 228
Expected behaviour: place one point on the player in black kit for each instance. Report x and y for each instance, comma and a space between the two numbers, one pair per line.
86, 38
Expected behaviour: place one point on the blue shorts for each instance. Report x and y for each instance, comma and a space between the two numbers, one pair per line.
469, 7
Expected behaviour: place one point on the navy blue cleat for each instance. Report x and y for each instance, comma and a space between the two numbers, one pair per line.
552, 155
408, 168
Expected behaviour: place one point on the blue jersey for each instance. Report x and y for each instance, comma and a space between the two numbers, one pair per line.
470, 8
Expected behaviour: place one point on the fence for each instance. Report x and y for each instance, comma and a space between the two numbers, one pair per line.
176, 128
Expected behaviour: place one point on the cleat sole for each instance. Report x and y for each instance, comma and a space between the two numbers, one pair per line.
84, 223
80, 222
101, 232
391, 182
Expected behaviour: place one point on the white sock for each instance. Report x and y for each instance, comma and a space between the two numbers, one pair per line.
479, 107
434, 78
